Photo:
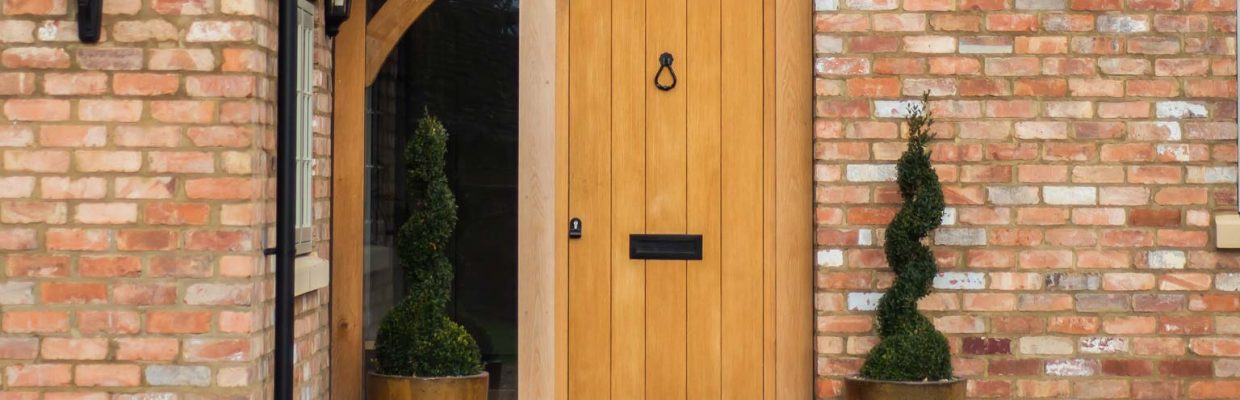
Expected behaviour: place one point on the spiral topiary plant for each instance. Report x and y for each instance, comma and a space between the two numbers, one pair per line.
416, 338
911, 349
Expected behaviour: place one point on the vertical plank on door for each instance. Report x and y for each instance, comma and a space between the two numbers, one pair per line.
628, 284
701, 82
742, 239
665, 202
589, 181
768, 197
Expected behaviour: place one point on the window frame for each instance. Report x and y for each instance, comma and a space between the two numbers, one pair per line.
304, 221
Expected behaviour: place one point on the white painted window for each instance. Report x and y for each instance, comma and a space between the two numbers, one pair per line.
305, 125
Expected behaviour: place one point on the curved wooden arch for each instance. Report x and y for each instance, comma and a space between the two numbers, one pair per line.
386, 28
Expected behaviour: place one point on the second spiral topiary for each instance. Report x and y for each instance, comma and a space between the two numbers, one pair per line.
417, 338
911, 349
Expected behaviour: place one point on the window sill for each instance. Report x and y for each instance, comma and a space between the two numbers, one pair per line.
1227, 230
312, 273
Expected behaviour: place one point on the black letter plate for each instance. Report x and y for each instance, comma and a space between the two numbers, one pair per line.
665, 247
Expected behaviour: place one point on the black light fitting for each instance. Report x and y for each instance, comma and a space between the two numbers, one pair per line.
337, 13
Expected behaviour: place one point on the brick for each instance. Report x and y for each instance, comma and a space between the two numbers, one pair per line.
929, 44
960, 324
220, 86
17, 83
37, 110
170, 375
1069, 22
215, 350
1153, 45
89, 83
69, 188
220, 31
144, 294
37, 375
18, 239
178, 321
1128, 325
124, 59
34, 58
106, 213
109, 266
1101, 389
110, 110
218, 294
1180, 110
24, 212
1045, 302
147, 349
183, 111
182, 7
111, 322
16, 186
832, 22
73, 293
107, 161
1123, 23
1185, 325
146, 240
1011, 22
181, 59
845, 324
1215, 347
74, 349
107, 375
145, 84
144, 30
73, 136
842, 66
1046, 345
1127, 367
1012, 66
19, 348
77, 239
35, 321
1072, 367
1043, 388
35, 7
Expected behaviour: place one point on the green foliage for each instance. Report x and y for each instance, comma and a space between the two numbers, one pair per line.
910, 348
416, 338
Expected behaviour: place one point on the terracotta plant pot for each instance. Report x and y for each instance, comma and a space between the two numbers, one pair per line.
857, 388
388, 387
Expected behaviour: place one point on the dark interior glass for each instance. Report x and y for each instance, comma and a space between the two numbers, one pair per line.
459, 62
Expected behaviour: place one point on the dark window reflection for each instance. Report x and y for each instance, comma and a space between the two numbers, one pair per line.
459, 61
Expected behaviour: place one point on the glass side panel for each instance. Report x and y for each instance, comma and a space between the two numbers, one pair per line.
459, 62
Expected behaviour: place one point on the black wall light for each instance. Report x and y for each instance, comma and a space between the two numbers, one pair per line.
337, 13
89, 19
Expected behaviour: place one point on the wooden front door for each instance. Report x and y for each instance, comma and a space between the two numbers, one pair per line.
696, 159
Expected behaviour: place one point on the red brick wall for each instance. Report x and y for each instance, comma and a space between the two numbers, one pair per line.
135, 190
1083, 146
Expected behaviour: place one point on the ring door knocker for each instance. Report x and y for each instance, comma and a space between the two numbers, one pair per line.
665, 63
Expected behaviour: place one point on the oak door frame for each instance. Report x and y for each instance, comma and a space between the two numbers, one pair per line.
542, 195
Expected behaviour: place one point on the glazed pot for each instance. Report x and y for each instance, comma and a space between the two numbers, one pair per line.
389, 387
857, 388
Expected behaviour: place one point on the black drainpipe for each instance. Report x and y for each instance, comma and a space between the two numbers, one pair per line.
286, 188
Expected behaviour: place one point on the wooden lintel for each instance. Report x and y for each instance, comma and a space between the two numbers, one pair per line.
386, 28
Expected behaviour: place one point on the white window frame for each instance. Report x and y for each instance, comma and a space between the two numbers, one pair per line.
305, 127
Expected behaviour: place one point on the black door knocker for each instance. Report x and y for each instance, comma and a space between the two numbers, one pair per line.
665, 63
